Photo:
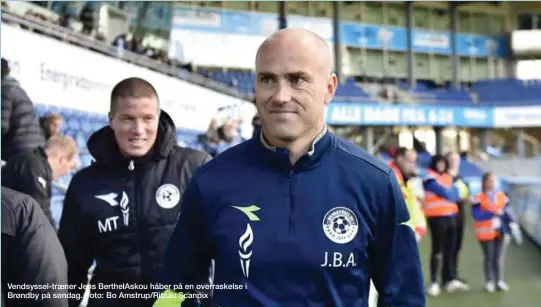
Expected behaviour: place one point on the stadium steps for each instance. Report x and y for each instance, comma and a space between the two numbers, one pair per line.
522, 273
406, 97
509, 136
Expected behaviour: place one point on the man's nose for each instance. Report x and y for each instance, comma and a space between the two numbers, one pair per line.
283, 93
138, 128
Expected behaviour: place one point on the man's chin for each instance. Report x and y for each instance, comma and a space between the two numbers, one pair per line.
135, 152
284, 135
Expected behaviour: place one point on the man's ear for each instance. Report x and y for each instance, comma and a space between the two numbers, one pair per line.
332, 84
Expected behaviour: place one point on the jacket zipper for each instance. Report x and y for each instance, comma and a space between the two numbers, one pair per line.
291, 203
131, 168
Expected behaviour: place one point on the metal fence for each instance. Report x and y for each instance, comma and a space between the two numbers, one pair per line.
513, 167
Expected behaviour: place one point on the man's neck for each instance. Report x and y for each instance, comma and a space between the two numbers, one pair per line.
298, 147
51, 163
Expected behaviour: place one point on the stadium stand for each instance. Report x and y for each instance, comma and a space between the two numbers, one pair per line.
508, 92
502, 92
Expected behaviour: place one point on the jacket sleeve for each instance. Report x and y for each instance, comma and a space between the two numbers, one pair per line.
479, 214
188, 254
508, 213
7, 105
75, 240
452, 194
25, 131
394, 256
41, 258
38, 190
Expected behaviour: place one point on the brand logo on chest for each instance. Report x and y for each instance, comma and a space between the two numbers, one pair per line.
110, 223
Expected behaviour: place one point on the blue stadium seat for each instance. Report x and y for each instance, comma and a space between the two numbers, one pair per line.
508, 92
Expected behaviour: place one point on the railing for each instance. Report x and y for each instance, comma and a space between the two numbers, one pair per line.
513, 167
80, 39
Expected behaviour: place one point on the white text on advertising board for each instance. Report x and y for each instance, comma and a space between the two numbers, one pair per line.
68, 76
389, 115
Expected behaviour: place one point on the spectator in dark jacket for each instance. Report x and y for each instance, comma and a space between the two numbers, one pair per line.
31, 253
121, 210
33, 172
20, 127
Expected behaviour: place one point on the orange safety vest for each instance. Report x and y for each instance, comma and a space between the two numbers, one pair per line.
488, 230
435, 205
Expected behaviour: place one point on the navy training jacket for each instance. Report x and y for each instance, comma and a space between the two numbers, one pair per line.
313, 234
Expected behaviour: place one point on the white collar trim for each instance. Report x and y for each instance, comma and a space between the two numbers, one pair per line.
312, 148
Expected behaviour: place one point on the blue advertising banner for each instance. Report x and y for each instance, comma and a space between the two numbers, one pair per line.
339, 113
352, 34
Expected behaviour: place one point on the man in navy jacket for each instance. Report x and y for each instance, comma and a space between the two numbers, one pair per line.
296, 216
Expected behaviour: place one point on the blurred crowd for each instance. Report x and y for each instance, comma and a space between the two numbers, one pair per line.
221, 135
86, 16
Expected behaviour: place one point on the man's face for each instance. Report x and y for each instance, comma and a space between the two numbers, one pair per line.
56, 126
291, 90
440, 166
135, 124
407, 162
490, 182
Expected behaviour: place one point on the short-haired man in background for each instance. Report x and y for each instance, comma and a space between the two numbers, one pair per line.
121, 210
403, 165
33, 172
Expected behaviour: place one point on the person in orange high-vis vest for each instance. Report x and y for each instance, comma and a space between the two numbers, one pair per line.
493, 222
440, 208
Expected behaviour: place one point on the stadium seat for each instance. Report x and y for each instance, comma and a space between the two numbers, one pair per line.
508, 92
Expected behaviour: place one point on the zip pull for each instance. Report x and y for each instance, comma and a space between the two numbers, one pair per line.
131, 167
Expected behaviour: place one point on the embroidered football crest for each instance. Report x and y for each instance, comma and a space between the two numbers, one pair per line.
340, 225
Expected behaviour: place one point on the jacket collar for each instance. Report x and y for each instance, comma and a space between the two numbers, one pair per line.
280, 156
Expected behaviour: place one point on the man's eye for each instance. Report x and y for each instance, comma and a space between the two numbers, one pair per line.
296, 80
266, 80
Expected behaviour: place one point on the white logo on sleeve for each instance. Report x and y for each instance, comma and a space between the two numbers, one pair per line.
340, 225
167, 196
111, 199
42, 181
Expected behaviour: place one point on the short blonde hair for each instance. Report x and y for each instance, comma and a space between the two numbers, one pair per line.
61, 144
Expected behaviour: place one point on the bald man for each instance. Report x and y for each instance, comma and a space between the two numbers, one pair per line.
296, 216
